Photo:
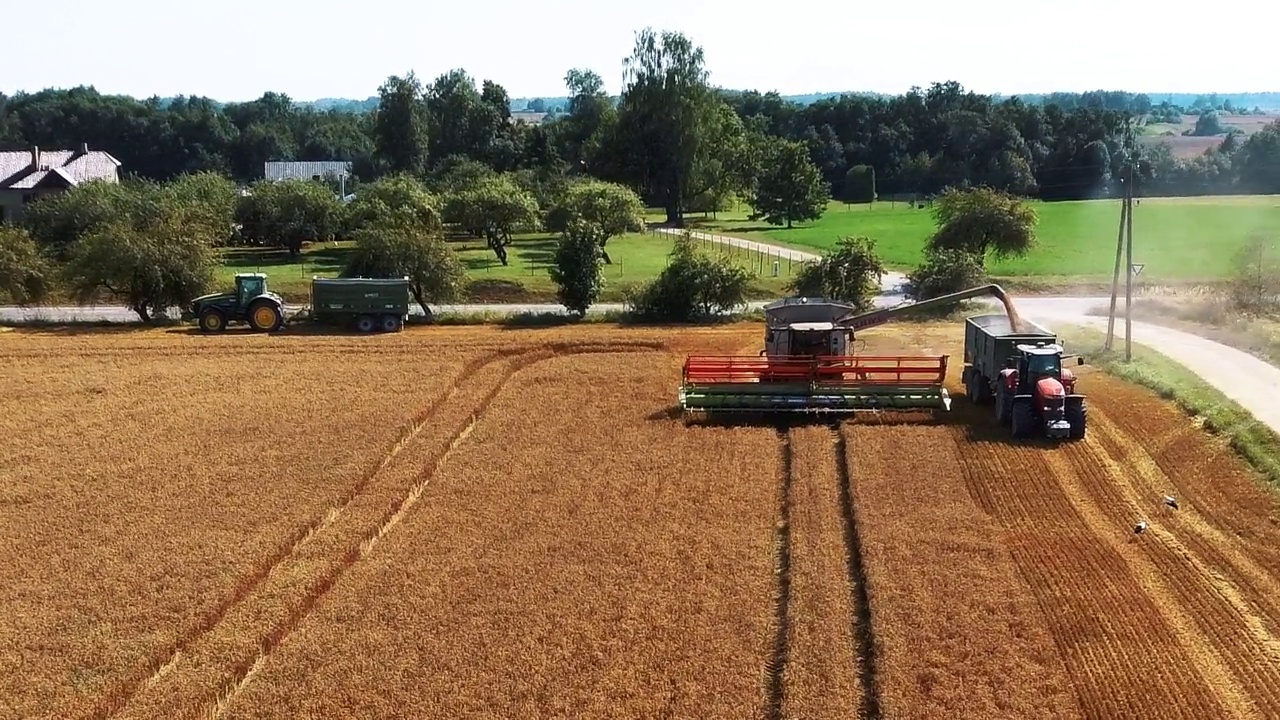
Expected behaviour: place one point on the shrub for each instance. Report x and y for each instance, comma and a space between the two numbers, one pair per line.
691, 287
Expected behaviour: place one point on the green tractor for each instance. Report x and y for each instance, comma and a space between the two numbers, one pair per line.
250, 303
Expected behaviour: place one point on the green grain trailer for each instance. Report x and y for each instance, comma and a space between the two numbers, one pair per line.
368, 304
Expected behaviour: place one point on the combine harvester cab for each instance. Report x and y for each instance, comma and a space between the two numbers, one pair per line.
806, 367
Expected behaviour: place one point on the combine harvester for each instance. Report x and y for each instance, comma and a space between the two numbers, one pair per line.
807, 367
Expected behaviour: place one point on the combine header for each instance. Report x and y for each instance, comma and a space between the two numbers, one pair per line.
806, 365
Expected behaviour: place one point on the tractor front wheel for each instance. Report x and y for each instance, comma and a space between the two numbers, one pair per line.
1004, 403
1023, 420
1077, 415
213, 320
265, 317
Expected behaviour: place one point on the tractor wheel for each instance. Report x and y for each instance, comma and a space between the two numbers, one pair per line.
1004, 403
1077, 416
365, 323
1023, 420
391, 323
265, 317
213, 320
983, 389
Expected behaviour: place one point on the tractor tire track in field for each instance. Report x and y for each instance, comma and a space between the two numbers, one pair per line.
304, 534
775, 670
288, 551
395, 515
863, 629
1122, 655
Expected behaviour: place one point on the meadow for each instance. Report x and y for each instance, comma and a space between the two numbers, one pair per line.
1177, 240
494, 521
637, 258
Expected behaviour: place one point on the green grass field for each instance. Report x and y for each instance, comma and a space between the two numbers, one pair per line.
637, 258
1178, 240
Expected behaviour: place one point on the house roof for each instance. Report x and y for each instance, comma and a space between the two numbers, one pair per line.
61, 167
305, 170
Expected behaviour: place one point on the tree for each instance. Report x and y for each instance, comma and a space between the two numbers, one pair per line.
400, 125
211, 200
1255, 281
25, 276
944, 271
790, 188
56, 223
663, 115
850, 273
288, 213
576, 271
983, 220
860, 184
397, 193
399, 243
494, 209
692, 286
149, 263
607, 209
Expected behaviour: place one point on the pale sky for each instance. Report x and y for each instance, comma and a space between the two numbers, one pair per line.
235, 50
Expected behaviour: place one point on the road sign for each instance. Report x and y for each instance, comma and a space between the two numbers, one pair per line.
1136, 268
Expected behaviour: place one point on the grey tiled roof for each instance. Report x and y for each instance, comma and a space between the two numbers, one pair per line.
73, 166
304, 170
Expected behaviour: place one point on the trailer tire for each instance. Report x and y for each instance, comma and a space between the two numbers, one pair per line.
983, 388
365, 323
391, 323
1023, 419
1078, 416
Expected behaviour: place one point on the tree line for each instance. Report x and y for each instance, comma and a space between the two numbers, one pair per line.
671, 135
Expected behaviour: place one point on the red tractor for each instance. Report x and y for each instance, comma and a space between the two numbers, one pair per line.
1038, 395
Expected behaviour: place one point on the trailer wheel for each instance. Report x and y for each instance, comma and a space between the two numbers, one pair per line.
1023, 419
213, 320
365, 324
982, 387
391, 323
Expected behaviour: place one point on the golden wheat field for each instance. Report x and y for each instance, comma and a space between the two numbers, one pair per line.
486, 522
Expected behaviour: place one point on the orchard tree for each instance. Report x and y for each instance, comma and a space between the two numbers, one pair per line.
693, 285
399, 243
151, 262
983, 221
790, 187
210, 197
576, 271
607, 209
289, 213
25, 276
850, 273
400, 125
56, 223
944, 271
494, 209
398, 193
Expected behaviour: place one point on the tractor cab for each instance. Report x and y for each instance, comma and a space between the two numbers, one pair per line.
1040, 362
249, 286
806, 339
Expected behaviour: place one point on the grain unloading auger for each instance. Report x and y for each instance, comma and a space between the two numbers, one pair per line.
806, 365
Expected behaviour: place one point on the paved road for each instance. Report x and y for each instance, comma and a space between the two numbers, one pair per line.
1240, 376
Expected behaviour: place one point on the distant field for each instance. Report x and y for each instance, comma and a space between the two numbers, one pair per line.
637, 258
1185, 146
1177, 239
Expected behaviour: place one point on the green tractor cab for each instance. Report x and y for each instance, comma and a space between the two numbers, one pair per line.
251, 302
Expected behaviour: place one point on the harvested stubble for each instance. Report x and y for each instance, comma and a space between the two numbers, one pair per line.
578, 554
1175, 623
956, 632
825, 675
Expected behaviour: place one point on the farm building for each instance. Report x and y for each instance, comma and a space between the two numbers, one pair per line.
28, 175
306, 170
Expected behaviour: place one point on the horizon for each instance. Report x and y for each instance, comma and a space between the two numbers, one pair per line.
154, 54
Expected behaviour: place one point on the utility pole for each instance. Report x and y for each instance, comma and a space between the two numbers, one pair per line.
1128, 288
1115, 278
